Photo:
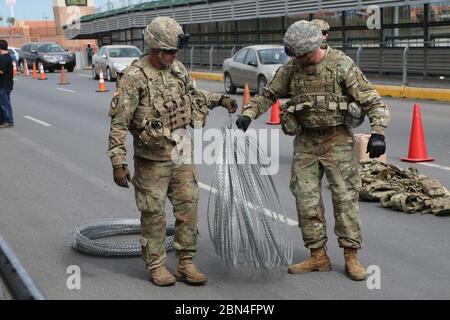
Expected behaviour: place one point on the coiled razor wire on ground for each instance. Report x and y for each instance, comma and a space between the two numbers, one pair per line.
246, 220
85, 236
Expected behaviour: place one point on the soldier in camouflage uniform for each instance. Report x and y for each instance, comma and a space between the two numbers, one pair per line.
155, 96
324, 27
322, 82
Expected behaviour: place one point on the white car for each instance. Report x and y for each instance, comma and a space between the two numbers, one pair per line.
14, 53
254, 65
112, 60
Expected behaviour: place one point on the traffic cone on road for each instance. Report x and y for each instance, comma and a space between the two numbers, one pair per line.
101, 83
417, 147
275, 116
41, 72
245, 97
63, 80
34, 71
25, 71
15, 72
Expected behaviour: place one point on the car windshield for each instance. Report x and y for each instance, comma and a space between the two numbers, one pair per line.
272, 56
48, 47
124, 53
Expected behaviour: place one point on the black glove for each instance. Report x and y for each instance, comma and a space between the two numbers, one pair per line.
243, 122
376, 145
228, 103
121, 175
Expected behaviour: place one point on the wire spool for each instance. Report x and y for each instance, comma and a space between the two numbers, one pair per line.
246, 220
86, 235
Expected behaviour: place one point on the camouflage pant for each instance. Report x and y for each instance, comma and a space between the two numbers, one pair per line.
154, 181
332, 153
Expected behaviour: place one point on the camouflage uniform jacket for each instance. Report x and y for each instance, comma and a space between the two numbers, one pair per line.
138, 89
348, 83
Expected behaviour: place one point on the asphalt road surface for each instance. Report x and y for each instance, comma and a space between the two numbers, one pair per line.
55, 174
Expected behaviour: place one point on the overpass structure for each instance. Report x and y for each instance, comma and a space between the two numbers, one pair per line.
405, 32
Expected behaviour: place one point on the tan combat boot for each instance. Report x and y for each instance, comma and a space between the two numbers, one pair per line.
188, 272
162, 277
353, 268
319, 261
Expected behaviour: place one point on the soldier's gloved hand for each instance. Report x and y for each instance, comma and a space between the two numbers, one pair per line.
228, 103
121, 175
243, 122
376, 146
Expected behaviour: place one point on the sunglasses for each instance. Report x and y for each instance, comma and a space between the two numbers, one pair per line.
170, 52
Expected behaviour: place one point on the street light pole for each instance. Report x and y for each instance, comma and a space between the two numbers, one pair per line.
46, 25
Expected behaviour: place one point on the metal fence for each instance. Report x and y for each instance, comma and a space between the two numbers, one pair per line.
426, 62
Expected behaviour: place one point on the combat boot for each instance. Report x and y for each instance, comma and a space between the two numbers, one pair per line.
188, 272
319, 261
161, 277
353, 268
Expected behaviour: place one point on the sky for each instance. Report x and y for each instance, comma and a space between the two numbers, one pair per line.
34, 9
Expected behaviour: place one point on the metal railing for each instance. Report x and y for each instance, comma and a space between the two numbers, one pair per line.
118, 4
14, 277
403, 61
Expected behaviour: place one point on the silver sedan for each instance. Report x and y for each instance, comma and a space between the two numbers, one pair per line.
254, 65
112, 60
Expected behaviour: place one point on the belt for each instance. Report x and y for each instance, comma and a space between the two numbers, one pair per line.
324, 131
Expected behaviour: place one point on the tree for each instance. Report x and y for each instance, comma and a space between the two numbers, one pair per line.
11, 21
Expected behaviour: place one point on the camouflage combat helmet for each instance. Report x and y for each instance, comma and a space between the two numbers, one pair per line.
322, 24
302, 37
165, 33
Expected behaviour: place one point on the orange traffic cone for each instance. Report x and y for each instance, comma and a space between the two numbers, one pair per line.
34, 71
25, 71
245, 97
41, 72
63, 80
101, 83
417, 148
15, 72
275, 116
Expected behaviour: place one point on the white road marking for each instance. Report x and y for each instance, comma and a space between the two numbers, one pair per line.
66, 90
434, 166
84, 75
252, 206
45, 124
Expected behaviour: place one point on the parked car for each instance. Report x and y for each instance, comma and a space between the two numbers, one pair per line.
50, 54
113, 59
254, 65
14, 53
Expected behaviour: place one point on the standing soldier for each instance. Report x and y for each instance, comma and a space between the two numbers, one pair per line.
322, 83
154, 97
324, 27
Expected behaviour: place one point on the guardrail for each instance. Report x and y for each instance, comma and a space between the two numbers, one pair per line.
16, 280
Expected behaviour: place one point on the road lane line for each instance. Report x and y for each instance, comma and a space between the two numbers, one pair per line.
435, 166
84, 75
103, 185
66, 90
45, 124
267, 212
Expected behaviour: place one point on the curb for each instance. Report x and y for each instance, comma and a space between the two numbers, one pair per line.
383, 90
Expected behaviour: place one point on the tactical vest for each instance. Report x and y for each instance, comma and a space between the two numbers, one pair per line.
167, 103
318, 100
